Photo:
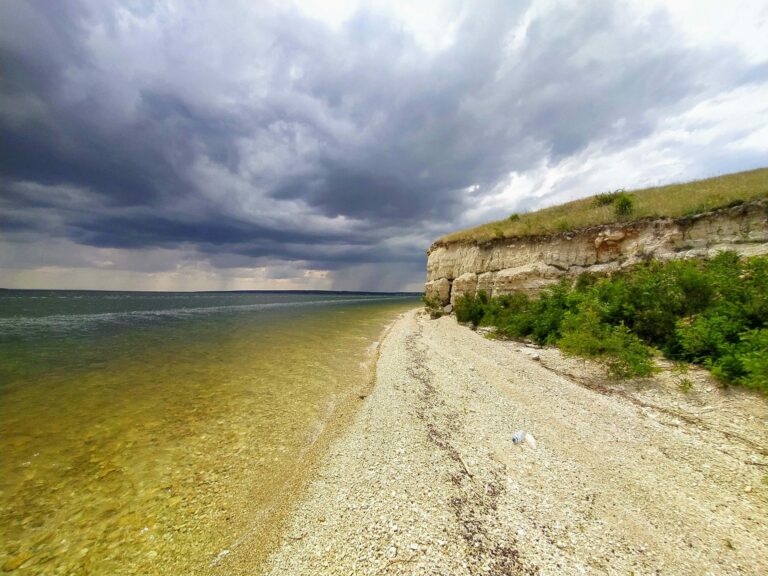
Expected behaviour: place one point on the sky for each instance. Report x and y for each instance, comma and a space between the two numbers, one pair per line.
189, 145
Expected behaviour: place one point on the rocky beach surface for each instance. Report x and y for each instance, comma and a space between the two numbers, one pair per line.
666, 475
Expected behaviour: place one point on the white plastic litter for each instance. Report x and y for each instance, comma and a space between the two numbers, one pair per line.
522, 436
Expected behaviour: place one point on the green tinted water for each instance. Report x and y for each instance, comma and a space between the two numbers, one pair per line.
150, 437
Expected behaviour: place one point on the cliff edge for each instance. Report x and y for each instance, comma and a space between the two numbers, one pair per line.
505, 265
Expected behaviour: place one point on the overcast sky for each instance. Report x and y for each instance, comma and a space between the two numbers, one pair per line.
249, 145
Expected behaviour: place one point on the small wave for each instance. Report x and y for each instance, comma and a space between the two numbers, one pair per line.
65, 322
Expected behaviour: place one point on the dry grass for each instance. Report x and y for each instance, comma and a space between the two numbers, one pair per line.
674, 200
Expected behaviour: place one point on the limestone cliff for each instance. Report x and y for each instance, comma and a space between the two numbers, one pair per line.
529, 263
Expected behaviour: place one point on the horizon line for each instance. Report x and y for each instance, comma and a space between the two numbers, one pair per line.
293, 291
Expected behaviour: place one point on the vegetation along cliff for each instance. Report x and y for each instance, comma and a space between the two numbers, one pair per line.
680, 271
601, 234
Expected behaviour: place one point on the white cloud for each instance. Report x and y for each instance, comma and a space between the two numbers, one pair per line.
432, 23
729, 126
743, 23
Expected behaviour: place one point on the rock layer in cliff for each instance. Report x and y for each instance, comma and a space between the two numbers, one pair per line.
506, 265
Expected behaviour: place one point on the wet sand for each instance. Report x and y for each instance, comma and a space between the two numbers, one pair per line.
265, 534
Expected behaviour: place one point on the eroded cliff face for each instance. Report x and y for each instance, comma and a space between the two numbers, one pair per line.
531, 263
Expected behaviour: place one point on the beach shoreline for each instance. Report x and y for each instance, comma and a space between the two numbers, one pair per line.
621, 477
266, 533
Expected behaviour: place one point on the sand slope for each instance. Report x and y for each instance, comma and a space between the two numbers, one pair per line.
624, 479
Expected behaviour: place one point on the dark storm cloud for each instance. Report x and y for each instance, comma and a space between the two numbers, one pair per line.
258, 132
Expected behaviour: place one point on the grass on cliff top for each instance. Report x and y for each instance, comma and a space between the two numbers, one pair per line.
674, 200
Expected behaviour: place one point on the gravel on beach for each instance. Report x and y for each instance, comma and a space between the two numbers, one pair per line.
618, 478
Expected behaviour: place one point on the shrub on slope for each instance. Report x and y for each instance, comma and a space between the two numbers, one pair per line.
712, 312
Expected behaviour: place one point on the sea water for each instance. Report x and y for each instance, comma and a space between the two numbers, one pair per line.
152, 433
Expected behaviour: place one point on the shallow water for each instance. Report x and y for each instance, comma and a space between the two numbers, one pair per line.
147, 433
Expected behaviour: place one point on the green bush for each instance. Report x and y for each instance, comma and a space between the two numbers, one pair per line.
623, 205
753, 354
705, 337
626, 355
470, 308
745, 362
433, 306
549, 311
562, 225
511, 314
712, 312
606, 198
585, 334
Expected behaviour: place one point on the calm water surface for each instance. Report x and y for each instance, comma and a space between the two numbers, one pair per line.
150, 433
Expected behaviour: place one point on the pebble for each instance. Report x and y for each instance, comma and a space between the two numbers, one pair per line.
542, 495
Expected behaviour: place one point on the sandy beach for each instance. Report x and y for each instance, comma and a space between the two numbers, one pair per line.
615, 478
